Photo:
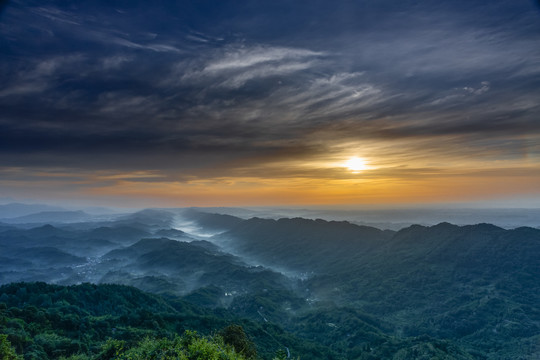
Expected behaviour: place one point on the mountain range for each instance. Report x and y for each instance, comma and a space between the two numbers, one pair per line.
457, 292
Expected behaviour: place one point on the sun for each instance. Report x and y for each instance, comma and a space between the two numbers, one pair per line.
356, 164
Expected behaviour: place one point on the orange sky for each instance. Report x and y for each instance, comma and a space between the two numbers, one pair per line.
294, 184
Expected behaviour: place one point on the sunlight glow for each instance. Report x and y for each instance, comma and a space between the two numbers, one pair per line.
356, 164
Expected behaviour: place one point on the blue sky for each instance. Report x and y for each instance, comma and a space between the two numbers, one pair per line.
263, 102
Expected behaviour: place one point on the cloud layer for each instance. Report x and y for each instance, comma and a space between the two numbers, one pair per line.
192, 91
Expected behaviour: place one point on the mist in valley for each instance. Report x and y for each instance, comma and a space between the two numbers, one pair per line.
401, 271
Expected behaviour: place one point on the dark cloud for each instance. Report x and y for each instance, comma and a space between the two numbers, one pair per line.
202, 86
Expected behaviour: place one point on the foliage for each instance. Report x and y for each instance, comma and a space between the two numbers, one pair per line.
235, 336
190, 346
443, 291
6, 350
45, 321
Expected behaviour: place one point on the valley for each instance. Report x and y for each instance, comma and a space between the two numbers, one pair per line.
328, 289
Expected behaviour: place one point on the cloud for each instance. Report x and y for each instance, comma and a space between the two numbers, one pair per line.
261, 72
38, 76
247, 57
115, 62
24, 89
485, 86
153, 46
234, 66
330, 96
57, 15
195, 97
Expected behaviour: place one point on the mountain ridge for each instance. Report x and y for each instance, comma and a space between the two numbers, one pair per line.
469, 285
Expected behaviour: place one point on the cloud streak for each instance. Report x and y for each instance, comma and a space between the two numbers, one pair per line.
189, 95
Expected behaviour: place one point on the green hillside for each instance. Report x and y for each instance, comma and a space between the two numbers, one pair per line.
317, 289
87, 321
45, 321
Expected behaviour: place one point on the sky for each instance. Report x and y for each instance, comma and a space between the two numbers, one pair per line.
270, 103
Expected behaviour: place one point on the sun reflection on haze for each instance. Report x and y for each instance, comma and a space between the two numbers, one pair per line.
356, 164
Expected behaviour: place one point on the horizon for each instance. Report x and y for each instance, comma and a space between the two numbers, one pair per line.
370, 104
381, 217
142, 204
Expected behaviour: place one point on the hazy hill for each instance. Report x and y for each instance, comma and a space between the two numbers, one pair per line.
210, 221
148, 219
300, 244
363, 292
44, 257
51, 253
478, 284
193, 264
171, 233
43, 231
122, 234
475, 249
52, 217
81, 243
14, 210
46, 235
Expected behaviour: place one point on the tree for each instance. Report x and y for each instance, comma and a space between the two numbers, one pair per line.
235, 336
6, 350
190, 346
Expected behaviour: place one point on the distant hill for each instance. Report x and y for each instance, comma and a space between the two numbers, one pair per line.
211, 221
194, 264
234, 211
51, 217
13, 210
45, 235
300, 244
148, 219
44, 257
122, 234
172, 233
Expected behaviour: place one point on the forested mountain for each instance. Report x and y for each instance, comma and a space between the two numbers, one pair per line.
87, 321
477, 285
212, 221
324, 289
47, 322
302, 245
